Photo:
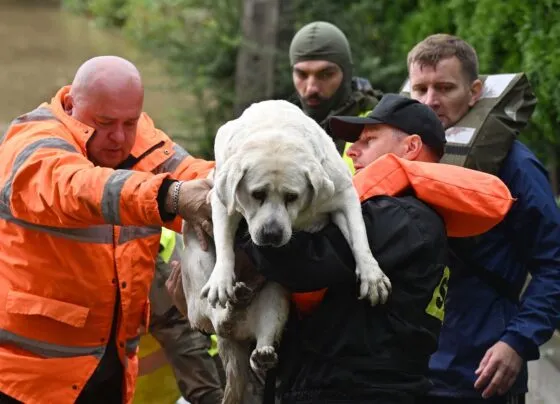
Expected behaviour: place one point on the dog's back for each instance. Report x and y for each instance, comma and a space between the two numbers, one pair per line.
268, 116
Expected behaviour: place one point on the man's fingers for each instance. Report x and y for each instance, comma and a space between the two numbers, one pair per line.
495, 384
176, 270
506, 384
484, 362
172, 276
202, 237
171, 281
175, 266
486, 375
185, 230
208, 227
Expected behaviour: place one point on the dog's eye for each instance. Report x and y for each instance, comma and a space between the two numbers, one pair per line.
259, 195
290, 197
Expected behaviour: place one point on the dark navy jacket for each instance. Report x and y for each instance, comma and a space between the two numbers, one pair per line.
477, 315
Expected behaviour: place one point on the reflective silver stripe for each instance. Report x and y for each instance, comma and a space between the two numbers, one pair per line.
102, 234
171, 164
110, 203
5, 132
48, 350
38, 114
131, 344
128, 233
48, 143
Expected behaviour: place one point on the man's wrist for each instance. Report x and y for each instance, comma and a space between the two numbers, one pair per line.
172, 199
524, 348
163, 196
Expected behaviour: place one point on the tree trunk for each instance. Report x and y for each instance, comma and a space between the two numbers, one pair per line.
284, 86
254, 78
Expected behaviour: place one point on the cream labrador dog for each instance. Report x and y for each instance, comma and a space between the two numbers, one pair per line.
280, 171
277, 168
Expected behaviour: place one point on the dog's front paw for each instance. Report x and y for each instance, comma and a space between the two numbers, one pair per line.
218, 289
374, 284
242, 295
263, 358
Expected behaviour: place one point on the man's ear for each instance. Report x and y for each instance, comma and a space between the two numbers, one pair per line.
412, 147
322, 188
67, 103
476, 91
227, 180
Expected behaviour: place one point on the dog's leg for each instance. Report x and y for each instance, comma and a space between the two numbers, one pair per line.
269, 313
219, 287
234, 356
373, 283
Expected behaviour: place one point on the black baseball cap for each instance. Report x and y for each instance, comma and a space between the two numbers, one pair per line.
400, 112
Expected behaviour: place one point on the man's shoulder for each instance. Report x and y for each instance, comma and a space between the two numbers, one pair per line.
406, 202
145, 121
33, 126
520, 154
365, 95
148, 130
405, 209
521, 168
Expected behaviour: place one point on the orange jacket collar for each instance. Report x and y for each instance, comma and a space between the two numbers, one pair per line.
80, 131
470, 202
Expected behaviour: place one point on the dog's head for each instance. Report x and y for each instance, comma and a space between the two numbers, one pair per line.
271, 186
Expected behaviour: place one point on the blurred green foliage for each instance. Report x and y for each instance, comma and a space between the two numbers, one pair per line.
199, 40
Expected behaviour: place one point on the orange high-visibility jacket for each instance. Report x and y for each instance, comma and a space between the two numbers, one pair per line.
71, 234
470, 202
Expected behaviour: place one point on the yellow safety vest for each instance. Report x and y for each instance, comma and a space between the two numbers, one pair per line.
345, 157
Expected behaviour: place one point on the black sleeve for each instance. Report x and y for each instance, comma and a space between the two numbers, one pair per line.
162, 194
400, 231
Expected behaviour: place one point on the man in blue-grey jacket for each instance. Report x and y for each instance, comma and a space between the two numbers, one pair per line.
489, 332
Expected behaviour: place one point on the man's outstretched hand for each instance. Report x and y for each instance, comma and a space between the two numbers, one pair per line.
498, 370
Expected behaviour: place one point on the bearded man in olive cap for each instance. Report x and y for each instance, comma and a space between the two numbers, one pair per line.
321, 63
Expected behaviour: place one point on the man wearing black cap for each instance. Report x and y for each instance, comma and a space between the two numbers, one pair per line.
321, 63
346, 351
397, 125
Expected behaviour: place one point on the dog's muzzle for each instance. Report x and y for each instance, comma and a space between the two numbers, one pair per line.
271, 234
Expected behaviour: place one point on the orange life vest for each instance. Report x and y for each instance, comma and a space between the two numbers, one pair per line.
72, 235
470, 202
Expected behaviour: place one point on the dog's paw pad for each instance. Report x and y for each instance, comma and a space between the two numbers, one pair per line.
242, 294
263, 358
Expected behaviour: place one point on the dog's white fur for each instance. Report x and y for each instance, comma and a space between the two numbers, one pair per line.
279, 170
236, 328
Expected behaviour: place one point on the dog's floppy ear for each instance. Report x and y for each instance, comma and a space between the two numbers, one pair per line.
321, 186
227, 180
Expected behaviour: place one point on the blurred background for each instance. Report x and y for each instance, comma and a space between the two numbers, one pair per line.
203, 61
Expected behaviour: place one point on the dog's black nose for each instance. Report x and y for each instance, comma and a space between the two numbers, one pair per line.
272, 234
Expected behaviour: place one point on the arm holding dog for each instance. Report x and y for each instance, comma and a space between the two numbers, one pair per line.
408, 238
312, 261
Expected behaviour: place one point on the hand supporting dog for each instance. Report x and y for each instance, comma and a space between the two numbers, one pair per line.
220, 286
189, 200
